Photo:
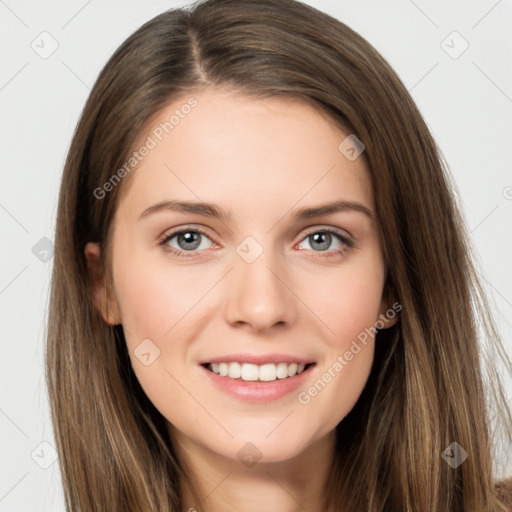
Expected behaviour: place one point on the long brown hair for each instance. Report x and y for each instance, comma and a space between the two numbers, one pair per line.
427, 388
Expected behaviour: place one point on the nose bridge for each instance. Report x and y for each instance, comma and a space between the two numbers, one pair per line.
259, 295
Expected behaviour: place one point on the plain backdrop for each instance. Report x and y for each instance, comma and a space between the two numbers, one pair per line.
454, 57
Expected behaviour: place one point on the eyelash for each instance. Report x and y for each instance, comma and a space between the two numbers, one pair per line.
347, 242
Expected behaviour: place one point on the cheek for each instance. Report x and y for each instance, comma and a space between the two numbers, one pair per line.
154, 298
348, 357
347, 301
349, 305
155, 304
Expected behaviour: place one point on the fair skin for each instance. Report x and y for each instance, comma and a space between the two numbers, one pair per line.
262, 160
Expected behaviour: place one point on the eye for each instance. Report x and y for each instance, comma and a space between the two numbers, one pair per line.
187, 240
320, 240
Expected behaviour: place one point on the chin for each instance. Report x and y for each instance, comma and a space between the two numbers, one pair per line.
277, 447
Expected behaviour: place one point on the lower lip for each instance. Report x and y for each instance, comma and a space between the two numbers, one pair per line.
259, 391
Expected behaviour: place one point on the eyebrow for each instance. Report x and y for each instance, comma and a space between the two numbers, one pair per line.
212, 210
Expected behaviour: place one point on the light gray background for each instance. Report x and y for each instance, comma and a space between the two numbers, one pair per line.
466, 101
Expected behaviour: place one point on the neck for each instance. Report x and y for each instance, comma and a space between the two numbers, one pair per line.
227, 485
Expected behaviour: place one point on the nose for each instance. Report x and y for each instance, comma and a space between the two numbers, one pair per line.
259, 294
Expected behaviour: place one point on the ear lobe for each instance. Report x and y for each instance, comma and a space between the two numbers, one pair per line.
104, 299
389, 312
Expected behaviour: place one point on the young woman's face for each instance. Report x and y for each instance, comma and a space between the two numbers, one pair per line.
252, 279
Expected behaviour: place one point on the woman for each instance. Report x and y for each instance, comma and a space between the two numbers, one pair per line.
204, 353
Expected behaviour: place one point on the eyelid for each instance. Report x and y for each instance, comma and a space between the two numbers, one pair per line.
319, 228
172, 232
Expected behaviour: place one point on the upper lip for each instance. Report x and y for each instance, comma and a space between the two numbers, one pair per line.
258, 359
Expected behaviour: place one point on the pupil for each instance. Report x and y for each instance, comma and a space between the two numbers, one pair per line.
189, 238
317, 237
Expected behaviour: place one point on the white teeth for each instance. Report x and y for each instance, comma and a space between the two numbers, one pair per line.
234, 370
282, 371
223, 369
248, 371
292, 369
252, 372
268, 372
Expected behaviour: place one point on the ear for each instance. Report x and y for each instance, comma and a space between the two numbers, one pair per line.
389, 311
104, 298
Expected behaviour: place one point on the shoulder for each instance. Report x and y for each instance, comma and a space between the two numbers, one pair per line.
503, 490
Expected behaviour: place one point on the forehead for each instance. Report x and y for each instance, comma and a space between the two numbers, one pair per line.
245, 153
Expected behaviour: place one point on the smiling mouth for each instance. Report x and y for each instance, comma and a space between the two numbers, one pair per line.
257, 373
